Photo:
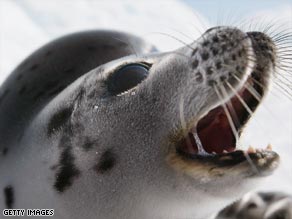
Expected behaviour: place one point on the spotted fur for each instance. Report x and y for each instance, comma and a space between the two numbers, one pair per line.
9, 196
106, 162
112, 155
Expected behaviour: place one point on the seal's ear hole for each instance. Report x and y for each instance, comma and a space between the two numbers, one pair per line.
126, 78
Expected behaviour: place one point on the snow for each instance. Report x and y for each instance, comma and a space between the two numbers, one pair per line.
28, 24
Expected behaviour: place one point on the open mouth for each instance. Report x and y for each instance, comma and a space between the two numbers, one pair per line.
214, 137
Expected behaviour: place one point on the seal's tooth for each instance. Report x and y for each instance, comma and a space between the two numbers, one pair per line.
225, 152
259, 150
269, 147
251, 149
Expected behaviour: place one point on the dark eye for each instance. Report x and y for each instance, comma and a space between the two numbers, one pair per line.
126, 78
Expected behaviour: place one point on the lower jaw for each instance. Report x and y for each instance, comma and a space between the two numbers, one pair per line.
236, 153
215, 134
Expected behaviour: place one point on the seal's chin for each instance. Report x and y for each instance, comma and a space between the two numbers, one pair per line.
214, 137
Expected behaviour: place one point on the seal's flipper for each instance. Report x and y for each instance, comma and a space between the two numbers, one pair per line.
259, 205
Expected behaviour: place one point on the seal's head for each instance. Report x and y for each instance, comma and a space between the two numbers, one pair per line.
161, 130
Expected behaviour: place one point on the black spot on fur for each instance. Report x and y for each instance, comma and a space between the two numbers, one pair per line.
106, 162
214, 51
205, 56
195, 63
9, 196
218, 65
199, 76
222, 78
212, 83
264, 46
4, 151
210, 70
59, 119
231, 78
237, 68
67, 171
215, 39
233, 57
240, 53
224, 47
88, 144
206, 43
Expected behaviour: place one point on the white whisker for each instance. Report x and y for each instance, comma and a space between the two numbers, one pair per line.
249, 160
181, 113
227, 114
231, 108
201, 150
240, 98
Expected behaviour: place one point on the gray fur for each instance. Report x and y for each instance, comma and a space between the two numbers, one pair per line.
114, 150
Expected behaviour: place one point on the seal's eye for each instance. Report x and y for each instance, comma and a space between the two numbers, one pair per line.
126, 78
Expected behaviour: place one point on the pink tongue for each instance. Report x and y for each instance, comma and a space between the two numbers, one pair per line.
217, 136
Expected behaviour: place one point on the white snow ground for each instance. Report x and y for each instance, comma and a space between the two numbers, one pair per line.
27, 24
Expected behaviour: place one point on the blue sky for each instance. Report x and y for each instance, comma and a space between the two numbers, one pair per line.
213, 9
